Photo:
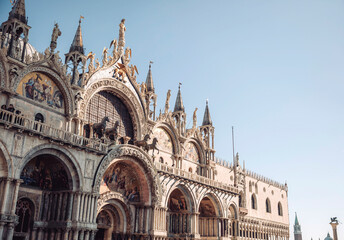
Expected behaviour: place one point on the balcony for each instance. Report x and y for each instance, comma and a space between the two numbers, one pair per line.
12, 120
161, 167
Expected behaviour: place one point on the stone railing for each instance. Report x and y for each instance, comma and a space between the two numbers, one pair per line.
194, 177
10, 119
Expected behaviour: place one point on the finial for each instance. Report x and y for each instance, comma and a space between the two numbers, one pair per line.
81, 17
207, 101
150, 64
179, 85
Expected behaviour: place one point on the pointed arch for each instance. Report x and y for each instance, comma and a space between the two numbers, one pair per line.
268, 205
254, 201
279, 209
172, 134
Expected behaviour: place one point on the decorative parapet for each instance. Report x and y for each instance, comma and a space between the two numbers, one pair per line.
161, 167
266, 180
22, 123
223, 162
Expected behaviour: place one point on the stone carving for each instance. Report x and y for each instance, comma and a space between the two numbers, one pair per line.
167, 103
121, 38
56, 33
91, 68
114, 51
194, 119
105, 58
127, 56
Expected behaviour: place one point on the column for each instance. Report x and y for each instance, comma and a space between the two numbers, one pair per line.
66, 234
5, 195
1, 229
75, 234
33, 233
82, 203
76, 206
70, 206
59, 208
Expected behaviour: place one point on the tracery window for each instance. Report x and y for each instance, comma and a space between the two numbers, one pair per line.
105, 103
24, 211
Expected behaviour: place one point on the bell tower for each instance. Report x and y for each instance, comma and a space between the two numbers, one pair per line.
297, 229
15, 31
179, 114
76, 58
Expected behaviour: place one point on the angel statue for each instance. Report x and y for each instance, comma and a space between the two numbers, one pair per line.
91, 56
114, 51
105, 58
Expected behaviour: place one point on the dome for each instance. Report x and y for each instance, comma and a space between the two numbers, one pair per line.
29, 50
328, 237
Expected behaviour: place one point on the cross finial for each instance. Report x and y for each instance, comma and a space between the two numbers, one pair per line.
150, 63
180, 85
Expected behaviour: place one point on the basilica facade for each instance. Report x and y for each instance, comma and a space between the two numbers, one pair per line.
85, 155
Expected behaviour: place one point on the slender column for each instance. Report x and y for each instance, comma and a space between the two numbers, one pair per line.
82, 204
66, 234
5, 195
64, 209
76, 206
92, 235
14, 199
33, 233
75, 234
46, 233
95, 211
1, 229
70, 206
59, 208
85, 208
52, 234
87, 235
90, 212
81, 235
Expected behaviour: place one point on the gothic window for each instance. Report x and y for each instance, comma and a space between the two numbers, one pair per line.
256, 188
161, 160
25, 212
106, 104
241, 199
253, 201
280, 212
268, 205
250, 186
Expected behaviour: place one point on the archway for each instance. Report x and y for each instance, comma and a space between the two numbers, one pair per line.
112, 221
179, 214
233, 218
47, 184
209, 219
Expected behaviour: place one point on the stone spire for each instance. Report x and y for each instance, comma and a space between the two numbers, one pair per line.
149, 79
18, 11
207, 118
77, 44
297, 229
179, 101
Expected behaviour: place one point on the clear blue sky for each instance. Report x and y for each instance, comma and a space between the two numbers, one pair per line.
273, 69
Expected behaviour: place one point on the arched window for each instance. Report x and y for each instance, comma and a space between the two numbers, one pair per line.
25, 212
39, 118
190, 170
161, 160
253, 201
250, 186
280, 211
268, 205
256, 188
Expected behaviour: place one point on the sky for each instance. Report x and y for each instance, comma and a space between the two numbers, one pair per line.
272, 69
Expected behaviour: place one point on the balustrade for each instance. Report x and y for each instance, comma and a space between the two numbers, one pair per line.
43, 129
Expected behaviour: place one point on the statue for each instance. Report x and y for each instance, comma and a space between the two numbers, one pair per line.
167, 103
105, 58
97, 64
54, 36
121, 38
91, 56
194, 119
114, 51
143, 88
127, 56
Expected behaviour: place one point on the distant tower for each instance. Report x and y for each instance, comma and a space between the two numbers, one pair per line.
76, 56
297, 229
15, 30
150, 95
207, 130
334, 224
179, 114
